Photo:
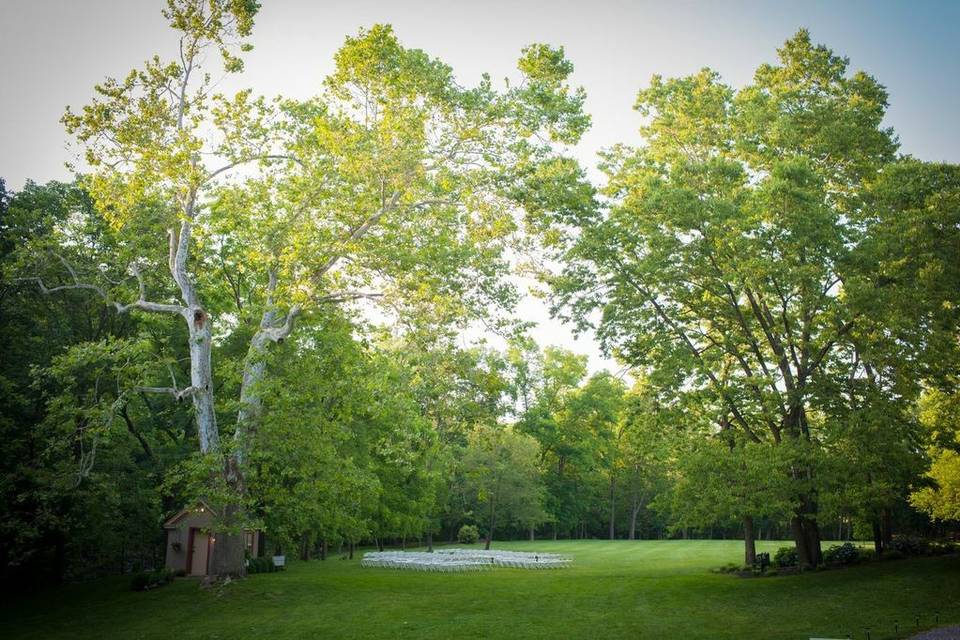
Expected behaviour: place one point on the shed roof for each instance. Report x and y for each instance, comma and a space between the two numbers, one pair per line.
200, 505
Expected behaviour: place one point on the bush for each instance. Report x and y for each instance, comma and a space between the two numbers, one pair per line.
893, 554
139, 581
910, 545
846, 553
785, 557
144, 580
468, 534
942, 547
260, 565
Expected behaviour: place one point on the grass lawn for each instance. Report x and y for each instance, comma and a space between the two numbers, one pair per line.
645, 589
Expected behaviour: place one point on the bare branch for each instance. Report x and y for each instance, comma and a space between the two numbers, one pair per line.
179, 394
269, 156
344, 296
140, 303
279, 333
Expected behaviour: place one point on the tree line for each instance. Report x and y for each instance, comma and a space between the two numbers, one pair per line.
263, 303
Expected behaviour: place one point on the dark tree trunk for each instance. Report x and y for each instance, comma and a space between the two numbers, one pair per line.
350, 550
806, 536
749, 543
634, 512
323, 549
228, 545
877, 537
493, 517
430, 541
533, 532
886, 527
613, 506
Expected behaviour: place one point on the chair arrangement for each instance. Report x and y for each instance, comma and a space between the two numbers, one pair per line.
449, 560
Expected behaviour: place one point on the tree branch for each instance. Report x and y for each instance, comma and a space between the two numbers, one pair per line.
266, 156
179, 394
141, 303
345, 296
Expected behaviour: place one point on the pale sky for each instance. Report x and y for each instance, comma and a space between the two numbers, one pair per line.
53, 52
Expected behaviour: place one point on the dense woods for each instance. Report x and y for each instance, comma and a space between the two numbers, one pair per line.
273, 306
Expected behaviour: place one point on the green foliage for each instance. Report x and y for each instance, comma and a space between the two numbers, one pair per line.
468, 534
846, 553
261, 565
940, 415
747, 266
500, 468
785, 557
910, 545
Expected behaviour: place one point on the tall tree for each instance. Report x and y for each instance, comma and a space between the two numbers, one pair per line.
395, 183
722, 267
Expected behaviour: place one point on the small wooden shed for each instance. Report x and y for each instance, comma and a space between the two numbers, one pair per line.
191, 539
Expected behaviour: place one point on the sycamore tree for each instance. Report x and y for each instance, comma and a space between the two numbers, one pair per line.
734, 261
241, 215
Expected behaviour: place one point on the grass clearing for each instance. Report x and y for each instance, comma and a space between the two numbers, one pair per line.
622, 589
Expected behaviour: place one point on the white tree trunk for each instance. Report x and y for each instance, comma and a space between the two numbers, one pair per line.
201, 378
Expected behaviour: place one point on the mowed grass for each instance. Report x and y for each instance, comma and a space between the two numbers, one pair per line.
623, 589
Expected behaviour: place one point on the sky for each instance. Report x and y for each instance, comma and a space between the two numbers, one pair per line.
53, 52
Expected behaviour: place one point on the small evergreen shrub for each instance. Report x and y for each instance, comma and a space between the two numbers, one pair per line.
846, 553
785, 557
468, 534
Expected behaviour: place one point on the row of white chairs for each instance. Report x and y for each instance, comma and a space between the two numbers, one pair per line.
447, 560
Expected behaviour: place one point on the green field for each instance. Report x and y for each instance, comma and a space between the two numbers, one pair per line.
643, 589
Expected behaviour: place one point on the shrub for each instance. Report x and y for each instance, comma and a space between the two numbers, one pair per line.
143, 580
893, 554
785, 557
910, 545
468, 534
260, 565
846, 553
139, 581
942, 547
